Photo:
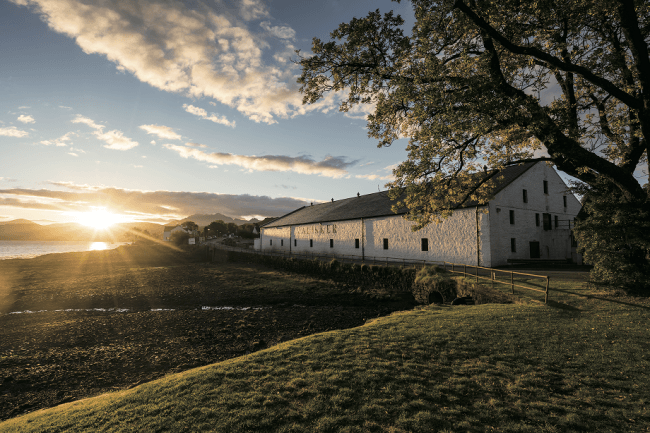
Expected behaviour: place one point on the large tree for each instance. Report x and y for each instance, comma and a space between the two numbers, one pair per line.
495, 83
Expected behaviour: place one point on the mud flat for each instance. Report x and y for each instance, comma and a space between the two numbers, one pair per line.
76, 325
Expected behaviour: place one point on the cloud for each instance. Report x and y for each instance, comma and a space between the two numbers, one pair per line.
196, 145
161, 131
65, 108
114, 139
73, 154
252, 9
204, 115
26, 118
61, 141
12, 131
378, 176
146, 205
194, 48
277, 31
329, 167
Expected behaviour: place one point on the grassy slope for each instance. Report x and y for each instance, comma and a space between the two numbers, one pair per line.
578, 365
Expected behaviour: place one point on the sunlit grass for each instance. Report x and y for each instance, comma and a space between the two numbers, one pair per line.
578, 364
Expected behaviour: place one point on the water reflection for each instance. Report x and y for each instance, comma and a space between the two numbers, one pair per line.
96, 246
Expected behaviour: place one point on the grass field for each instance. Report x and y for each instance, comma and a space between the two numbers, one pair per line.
578, 364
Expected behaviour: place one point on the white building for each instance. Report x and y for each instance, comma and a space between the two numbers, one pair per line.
167, 232
529, 217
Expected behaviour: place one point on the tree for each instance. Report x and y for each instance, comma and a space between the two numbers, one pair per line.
179, 238
494, 84
217, 228
190, 226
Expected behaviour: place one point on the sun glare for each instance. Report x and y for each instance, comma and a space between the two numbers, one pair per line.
98, 219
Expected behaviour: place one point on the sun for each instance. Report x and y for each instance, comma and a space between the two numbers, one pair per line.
98, 218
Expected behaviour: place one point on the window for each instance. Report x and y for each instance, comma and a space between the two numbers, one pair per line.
547, 221
311, 243
513, 245
537, 219
512, 217
564, 200
331, 243
270, 241
385, 243
425, 244
295, 242
545, 187
534, 250
281, 242
356, 243
525, 196
556, 223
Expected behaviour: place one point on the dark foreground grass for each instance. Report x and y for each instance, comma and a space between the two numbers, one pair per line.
579, 364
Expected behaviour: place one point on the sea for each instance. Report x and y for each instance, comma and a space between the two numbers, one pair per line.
30, 249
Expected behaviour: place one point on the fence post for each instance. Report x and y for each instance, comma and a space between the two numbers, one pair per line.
452, 268
546, 294
464, 270
512, 282
492, 278
477, 274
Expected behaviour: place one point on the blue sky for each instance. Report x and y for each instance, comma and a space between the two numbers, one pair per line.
156, 110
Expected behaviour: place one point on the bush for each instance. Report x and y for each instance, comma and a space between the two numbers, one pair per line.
179, 238
431, 279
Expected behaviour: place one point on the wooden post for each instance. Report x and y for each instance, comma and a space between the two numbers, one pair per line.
546, 294
492, 278
464, 270
476, 274
452, 267
512, 282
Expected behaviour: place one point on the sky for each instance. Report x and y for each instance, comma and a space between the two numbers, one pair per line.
155, 110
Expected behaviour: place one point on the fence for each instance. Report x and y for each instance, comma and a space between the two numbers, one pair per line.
393, 261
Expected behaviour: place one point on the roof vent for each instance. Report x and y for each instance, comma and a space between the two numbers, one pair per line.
358, 195
332, 200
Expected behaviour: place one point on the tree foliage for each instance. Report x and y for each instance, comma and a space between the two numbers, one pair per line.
484, 83
179, 238
217, 228
190, 225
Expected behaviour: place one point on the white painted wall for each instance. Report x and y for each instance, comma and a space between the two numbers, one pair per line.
555, 243
453, 240
167, 235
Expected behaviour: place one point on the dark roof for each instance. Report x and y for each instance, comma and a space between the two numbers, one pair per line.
374, 205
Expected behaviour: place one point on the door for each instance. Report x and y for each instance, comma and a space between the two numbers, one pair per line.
534, 250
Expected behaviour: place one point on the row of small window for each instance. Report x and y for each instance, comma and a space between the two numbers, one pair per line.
424, 243
546, 217
525, 193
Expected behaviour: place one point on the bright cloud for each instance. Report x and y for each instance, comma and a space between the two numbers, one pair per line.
146, 204
61, 141
204, 115
203, 146
12, 131
26, 118
278, 31
114, 139
161, 131
329, 167
195, 50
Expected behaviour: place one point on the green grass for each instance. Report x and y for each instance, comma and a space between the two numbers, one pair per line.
578, 364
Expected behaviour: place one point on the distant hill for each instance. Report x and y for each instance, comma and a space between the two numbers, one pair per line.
203, 220
19, 222
24, 230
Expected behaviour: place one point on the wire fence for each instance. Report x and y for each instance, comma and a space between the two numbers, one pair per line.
496, 277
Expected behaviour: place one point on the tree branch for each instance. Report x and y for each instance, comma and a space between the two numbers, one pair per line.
603, 83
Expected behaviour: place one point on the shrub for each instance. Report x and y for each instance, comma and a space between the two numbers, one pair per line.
179, 238
431, 279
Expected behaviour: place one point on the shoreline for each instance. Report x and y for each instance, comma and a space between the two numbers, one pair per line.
55, 357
